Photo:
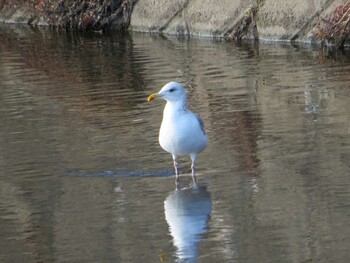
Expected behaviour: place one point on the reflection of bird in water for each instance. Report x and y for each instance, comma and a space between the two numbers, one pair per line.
187, 212
182, 131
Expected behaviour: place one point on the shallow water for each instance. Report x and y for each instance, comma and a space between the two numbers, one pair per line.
83, 179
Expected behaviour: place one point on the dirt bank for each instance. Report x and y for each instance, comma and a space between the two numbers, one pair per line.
80, 15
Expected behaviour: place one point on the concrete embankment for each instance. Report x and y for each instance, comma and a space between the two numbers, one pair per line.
294, 20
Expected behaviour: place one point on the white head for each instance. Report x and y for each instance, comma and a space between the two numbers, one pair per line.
172, 92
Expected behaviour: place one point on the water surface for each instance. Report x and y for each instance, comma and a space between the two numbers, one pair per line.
83, 179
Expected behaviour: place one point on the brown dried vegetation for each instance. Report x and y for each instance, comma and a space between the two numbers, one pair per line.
334, 29
81, 14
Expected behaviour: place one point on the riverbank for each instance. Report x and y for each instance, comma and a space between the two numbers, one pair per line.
319, 21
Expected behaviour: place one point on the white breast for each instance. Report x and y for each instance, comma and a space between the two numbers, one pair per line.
181, 132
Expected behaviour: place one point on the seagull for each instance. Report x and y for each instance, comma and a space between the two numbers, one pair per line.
182, 131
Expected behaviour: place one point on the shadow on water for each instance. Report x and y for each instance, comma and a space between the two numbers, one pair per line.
187, 212
119, 172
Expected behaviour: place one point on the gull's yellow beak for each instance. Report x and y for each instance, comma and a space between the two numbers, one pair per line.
152, 96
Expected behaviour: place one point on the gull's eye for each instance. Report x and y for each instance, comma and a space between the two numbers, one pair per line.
172, 90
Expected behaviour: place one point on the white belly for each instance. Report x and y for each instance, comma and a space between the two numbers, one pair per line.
182, 135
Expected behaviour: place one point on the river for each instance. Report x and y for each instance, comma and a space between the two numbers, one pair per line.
83, 178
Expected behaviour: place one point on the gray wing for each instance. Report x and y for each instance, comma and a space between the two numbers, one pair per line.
201, 124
